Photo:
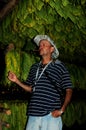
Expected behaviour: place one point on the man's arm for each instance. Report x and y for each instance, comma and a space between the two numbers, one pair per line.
67, 99
12, 77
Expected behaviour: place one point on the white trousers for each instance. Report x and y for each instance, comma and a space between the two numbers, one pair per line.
47, 122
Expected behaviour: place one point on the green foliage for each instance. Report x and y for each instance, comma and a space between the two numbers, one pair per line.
26, 62
78, 76
75, 112
19, 63
31, 17
18, 110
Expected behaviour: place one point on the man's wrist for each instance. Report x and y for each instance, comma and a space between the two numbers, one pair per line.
61, 112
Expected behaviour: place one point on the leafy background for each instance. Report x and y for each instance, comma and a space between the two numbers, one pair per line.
65, 22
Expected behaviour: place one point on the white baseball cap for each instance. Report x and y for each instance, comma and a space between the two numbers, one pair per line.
38, 38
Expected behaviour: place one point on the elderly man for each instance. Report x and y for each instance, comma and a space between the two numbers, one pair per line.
46, 81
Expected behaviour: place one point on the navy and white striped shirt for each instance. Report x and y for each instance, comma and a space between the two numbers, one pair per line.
46, 96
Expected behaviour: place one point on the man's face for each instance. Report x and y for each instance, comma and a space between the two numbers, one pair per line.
45, 48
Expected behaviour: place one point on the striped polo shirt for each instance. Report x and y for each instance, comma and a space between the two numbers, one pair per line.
47, 89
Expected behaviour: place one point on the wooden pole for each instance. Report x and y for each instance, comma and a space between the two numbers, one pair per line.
0, 125
8, 7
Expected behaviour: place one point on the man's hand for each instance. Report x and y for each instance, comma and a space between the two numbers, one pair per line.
12, 77
56, 113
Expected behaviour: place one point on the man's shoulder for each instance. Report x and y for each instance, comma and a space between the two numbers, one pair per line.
57, 61
35, 65
60, 64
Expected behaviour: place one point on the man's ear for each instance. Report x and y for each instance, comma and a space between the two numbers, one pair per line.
52, 49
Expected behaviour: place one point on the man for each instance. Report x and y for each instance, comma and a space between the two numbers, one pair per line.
46, 81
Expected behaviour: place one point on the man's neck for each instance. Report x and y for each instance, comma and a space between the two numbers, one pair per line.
46, 60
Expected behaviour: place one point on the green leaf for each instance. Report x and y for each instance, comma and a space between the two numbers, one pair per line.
65, 2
